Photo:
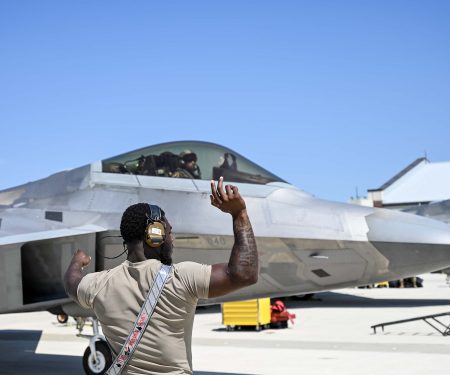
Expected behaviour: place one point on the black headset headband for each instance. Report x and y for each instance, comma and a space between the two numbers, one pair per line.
154, 213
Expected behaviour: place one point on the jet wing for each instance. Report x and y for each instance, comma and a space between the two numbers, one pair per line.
50, 234
33, 266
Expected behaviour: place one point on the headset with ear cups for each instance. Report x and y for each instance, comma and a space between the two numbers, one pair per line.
155, 232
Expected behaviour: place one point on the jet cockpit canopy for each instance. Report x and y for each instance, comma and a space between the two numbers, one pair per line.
189, 159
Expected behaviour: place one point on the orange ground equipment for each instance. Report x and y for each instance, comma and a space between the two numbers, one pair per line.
279, 315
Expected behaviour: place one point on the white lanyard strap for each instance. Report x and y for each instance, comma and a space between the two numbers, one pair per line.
141, 322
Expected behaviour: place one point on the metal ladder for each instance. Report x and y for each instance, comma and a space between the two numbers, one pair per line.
431, 320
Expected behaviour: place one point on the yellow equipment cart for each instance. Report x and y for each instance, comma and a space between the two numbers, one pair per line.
255, 312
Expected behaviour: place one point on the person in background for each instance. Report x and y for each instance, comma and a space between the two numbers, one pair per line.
189, 167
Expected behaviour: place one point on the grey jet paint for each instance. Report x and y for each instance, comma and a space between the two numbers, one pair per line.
439, 210
306, 244
436, 210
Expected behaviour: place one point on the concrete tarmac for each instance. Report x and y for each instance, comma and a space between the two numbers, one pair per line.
331, 335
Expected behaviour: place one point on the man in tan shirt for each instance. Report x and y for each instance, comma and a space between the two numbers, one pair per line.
117, 295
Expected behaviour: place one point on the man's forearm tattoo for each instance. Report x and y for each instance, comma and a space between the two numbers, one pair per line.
244, 255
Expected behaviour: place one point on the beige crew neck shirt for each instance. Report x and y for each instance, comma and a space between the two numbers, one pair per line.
117, 295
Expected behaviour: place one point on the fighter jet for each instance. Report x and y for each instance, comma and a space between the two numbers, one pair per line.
306, 244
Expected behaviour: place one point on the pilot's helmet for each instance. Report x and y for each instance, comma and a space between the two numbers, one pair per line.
188, 156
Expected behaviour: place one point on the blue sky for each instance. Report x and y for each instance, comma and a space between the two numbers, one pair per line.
329, 95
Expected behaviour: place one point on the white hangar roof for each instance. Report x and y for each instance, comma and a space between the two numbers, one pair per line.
421, 181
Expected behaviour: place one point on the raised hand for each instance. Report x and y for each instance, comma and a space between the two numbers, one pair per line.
228, 199
81, 258
73, 274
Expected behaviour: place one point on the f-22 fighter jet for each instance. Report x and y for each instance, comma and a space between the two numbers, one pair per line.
306, 244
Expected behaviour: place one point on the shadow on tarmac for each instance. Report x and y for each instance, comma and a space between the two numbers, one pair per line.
331, 299
18, 357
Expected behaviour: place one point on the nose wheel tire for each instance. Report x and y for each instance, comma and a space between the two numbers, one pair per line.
62, 318
103, 362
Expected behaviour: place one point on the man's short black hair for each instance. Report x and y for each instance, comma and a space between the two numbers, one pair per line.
134, 222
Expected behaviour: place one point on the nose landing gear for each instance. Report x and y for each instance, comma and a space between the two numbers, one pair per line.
97, 357
98, 361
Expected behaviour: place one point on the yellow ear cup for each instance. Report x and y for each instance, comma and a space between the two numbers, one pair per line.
155, 234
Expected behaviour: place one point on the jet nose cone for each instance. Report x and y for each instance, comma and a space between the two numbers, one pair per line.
412, 244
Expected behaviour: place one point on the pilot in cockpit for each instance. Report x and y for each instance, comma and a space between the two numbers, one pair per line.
189, 167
